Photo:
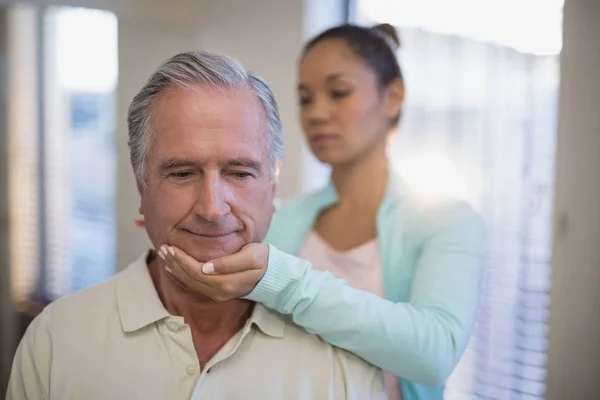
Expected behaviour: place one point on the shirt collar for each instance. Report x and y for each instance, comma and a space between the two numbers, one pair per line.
267, 321
139, 305
137, 300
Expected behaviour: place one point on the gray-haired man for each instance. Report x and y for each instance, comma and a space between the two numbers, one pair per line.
205, 140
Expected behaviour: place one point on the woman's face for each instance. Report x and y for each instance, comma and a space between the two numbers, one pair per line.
343, 112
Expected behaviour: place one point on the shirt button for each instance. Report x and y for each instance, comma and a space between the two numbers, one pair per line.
191, 369
172, 326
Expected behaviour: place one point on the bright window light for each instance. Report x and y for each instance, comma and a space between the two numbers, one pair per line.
528, 26
433, 174
87, 50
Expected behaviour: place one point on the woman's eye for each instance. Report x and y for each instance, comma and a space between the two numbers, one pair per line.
304, 101
339, 94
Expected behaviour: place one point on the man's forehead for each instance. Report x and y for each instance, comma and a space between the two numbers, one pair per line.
211, 152
208, 102
231, 115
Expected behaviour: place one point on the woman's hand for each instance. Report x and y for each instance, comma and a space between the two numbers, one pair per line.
222, 279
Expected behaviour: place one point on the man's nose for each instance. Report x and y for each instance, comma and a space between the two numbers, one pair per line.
213, 194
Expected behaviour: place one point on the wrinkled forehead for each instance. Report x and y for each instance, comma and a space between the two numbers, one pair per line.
224, 120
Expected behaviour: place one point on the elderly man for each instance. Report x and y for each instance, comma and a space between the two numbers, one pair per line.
205, 139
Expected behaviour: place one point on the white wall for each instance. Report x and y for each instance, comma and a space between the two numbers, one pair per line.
175, 11
574, 354
7, 312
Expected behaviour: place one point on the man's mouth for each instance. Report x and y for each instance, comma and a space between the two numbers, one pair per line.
212, 235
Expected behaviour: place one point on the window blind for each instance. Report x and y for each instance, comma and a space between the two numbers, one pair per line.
489, 112
62, 169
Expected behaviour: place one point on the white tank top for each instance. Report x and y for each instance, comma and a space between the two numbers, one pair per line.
360, 267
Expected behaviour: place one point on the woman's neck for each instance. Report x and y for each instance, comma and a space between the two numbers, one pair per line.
362, 183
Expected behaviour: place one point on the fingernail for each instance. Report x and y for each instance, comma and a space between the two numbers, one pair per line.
169, 270
160, 253
208, 268
172, 251
163, 250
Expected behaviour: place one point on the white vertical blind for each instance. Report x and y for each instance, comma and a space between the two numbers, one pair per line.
479, 123
57, 163
23, 153
81, 75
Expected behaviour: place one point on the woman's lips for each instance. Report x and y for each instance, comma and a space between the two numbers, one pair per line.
322, 138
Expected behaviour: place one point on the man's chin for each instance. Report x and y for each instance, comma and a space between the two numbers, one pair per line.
204, 249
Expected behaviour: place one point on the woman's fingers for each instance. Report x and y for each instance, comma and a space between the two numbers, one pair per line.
186, 269
254, 256
222, 279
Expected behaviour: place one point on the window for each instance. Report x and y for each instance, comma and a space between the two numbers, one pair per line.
63, 165
479, 123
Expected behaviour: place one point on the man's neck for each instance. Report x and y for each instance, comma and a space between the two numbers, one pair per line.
212, 323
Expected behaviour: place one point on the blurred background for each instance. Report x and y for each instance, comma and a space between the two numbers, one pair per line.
502, 110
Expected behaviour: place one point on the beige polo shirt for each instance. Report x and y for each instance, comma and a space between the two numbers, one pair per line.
117, 341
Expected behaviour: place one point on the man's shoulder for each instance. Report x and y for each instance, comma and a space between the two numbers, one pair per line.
95, 303
83, 307
309, 342
66, 321
357, 377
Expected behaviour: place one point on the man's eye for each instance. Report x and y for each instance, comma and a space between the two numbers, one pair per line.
180, 175
241, 175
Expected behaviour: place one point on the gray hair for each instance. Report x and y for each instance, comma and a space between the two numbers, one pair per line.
188, 70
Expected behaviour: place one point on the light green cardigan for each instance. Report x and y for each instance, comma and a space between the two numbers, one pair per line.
432, 254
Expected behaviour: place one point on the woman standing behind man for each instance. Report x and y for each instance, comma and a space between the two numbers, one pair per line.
424, 257
413, 266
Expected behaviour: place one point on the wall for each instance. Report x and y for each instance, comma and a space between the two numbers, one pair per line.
574, 354
174, 11
7, 317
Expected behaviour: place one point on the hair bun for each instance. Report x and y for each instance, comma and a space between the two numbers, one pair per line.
389, 32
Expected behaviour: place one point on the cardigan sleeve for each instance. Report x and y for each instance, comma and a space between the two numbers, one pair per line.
420, 340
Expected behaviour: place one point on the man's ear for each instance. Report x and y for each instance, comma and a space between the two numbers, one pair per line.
140, 189
140, 186
274, 181
394, 98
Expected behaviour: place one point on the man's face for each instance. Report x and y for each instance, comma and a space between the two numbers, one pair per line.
209, 186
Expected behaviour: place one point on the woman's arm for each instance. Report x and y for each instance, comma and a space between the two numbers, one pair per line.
421, 340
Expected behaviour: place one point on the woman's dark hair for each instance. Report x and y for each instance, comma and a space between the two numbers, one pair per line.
376, 46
